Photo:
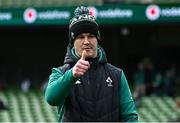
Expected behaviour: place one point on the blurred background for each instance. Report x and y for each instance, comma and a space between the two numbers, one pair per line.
139, 36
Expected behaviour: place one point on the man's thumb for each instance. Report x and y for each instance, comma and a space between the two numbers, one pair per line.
84, 54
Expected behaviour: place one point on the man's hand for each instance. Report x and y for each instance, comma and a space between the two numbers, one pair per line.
81, 66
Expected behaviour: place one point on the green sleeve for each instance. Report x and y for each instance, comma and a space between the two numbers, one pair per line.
59, 86
127, 107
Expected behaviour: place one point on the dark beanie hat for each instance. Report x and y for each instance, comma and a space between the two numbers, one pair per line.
82, 22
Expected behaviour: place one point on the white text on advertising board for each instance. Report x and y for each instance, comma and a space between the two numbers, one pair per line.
55, 14
5, 16
171, 12
115, 13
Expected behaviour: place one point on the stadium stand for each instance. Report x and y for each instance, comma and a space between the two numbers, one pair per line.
26, 107
153, 1
65, 3
46, 3
158, 109
31, 107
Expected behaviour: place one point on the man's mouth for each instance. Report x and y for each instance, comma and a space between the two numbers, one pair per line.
86, 48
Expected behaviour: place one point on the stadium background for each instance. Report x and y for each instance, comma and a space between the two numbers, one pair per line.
29, 51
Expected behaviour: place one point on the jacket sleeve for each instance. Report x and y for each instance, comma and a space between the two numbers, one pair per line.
59, 86
127, 107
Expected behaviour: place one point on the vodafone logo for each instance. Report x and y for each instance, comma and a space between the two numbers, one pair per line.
30, 15
93, 11
153, 12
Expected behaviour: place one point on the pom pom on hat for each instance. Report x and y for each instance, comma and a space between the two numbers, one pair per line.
81, 10
82, 22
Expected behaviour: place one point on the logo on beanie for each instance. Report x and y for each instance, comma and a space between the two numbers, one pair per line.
153, 12
83, 17
30, 15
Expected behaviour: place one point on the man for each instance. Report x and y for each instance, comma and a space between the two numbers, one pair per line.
88, 88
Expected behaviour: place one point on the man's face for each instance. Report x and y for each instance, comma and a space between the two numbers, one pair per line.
88, 42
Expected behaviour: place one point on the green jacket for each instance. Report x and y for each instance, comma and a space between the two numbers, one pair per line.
61, 83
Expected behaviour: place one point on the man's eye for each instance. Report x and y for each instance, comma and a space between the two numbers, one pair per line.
91, 36
80, 37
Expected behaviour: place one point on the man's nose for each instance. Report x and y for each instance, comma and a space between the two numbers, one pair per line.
86, 40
